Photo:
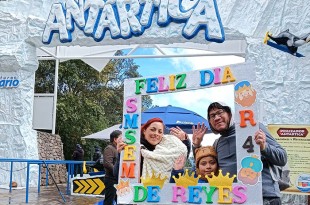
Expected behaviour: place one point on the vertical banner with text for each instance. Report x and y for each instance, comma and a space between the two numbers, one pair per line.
295, 139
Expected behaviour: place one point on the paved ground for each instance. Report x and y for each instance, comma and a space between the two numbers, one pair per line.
48, 196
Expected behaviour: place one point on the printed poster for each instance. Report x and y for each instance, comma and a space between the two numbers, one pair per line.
295, 139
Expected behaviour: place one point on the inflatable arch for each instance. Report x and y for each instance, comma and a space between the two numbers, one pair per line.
282, 80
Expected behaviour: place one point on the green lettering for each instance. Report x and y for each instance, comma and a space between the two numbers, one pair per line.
209, 194
130, 137
181, 84
136, 194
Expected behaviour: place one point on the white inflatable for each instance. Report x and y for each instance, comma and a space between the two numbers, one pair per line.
283, 81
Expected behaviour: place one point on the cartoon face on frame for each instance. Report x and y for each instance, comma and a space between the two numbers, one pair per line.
248, 176
123, 188
245, 95
250, 171
123, 192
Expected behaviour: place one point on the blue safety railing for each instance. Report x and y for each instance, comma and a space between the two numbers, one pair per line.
70, 171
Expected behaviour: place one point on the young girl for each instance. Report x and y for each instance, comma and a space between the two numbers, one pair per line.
206, 163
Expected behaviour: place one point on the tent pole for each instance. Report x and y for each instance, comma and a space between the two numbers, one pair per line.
55, 90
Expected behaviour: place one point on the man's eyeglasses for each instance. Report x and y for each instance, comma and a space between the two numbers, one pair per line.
218, 113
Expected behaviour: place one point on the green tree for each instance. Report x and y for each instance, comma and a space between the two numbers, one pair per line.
146, 103
45, 77
88, 101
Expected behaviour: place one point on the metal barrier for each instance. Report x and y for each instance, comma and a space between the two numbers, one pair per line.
70, 171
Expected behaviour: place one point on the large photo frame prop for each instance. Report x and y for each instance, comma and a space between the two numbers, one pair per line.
220, 190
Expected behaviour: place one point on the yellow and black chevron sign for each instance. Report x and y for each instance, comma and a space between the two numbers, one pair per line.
91, 186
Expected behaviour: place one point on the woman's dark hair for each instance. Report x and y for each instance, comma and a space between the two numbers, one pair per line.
114, 135
144, 127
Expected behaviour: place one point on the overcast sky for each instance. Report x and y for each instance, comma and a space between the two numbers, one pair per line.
197, 100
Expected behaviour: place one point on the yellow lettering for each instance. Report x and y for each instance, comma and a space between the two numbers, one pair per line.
224, 195
129, 153
228, 76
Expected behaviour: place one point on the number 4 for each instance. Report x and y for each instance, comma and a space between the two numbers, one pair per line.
248, 144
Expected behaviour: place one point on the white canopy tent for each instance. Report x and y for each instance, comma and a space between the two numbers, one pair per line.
103, 134
99, 56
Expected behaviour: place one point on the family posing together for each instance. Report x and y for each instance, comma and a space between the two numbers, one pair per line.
166, 154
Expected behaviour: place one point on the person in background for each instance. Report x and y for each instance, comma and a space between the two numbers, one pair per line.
220, 121
98, 159
206, 164
109, 159
78, 155
97, 154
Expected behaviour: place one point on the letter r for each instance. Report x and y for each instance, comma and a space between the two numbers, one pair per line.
246, 115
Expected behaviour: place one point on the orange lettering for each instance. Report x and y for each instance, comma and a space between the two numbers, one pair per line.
128, 172
246, 115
